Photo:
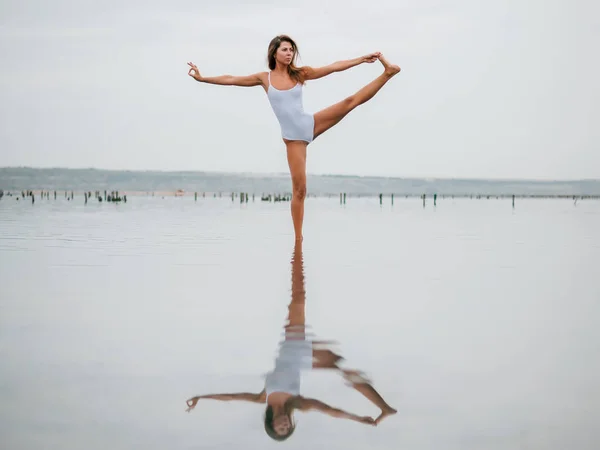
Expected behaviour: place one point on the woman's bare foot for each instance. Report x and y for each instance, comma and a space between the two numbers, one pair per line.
385, 413
390, 69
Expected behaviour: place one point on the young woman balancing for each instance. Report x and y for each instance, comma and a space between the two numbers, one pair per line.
283, 85
281, 392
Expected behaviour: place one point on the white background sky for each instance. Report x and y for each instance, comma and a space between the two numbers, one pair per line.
502, 89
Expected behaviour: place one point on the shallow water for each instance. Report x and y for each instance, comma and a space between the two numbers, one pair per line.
476, 321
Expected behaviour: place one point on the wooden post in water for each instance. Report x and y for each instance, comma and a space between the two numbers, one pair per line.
344, 198
341, 198
32, 198
434, 199
381, 199
392, 199
195, 196
513, 201
86, 198
423, 200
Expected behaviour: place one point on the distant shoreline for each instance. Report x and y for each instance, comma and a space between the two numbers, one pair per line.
189, 182
286, 175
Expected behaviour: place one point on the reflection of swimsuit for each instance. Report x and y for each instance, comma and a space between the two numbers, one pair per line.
294, 356
296, 125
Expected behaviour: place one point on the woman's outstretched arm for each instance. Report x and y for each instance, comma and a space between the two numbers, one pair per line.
226, 80
246, 396
310, 404
312, 73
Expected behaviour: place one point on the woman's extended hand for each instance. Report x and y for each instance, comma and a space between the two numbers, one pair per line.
194, 72
191, 403
367, 420
371, 57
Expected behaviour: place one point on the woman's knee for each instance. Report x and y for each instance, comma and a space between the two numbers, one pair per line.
300, 190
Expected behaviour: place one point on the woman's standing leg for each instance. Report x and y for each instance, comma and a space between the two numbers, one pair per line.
296, 155
296, 309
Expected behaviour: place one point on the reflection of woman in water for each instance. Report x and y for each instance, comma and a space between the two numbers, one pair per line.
282, 385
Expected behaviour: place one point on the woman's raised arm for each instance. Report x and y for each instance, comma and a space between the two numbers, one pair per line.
245, 396
226, 80
312, 73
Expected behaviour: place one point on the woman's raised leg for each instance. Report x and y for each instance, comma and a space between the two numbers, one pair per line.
366, 389
296, 155
328, 117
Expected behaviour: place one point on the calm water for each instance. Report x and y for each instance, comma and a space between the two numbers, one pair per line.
477, 322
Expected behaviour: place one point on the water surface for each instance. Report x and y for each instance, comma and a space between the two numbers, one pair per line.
476, 321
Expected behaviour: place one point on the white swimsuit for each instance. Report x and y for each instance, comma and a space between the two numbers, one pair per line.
294, 356
296, 125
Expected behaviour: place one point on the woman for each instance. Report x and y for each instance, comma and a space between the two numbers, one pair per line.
282, 385
283, 85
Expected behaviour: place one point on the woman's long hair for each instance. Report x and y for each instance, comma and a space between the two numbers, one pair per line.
288, 409
295, 73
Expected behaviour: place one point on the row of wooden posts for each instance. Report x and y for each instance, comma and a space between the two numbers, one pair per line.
112, 196
115, 196
287, 197
244, 197
479, 196
423, 197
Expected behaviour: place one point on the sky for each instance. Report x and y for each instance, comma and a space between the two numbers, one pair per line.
503, 89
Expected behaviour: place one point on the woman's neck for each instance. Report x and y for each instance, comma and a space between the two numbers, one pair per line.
278, 408
281, 69
278, 399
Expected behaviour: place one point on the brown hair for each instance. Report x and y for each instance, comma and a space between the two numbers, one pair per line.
288, 408
294, 72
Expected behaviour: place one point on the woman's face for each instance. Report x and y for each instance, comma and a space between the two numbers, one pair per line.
284, 53
282, 424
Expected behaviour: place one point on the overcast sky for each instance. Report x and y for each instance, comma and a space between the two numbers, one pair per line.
503, 89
